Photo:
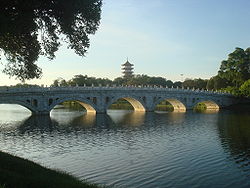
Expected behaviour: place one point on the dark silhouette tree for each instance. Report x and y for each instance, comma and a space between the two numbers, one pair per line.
177, 84
31, 28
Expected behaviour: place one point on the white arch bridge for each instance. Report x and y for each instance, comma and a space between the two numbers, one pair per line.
98, 99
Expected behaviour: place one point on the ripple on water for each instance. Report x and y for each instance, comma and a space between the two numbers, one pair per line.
136, 150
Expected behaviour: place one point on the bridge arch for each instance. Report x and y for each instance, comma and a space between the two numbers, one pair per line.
178, 105
86, 103
26, 105
136, 102
209, 104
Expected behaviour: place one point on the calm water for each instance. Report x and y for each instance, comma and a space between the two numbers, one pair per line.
127, 149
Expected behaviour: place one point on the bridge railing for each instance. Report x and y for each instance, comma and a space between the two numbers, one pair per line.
114, 87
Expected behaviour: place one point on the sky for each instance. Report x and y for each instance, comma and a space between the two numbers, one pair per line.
164, 38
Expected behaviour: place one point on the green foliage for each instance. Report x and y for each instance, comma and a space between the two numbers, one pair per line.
73, 105
25, 85
60, 82
169, 83
233, 74
236, 69
80, 80
245, 88
177, 84
29, 29
164, 106
232, 90
20, 173
121, 104
216, 83
195, 83
142, 80
200, 107
137, 80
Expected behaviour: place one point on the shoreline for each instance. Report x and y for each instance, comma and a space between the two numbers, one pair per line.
16, 172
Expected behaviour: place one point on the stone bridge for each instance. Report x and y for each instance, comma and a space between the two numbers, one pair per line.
98, 99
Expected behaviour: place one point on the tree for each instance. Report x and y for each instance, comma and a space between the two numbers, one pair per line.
216, 82
31, 28
188, 83
169, 83
120, 81
177, 84
158, 81
236, 69
60, 82
245, 88
210, 84
195, 83
200, 83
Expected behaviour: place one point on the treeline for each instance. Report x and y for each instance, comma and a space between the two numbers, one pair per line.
233, 77
137, 80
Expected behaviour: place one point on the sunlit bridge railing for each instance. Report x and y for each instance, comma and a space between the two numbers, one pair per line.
110, 87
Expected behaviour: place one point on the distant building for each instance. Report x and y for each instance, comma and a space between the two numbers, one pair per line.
127, 69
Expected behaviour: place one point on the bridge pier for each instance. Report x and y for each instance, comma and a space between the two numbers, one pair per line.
150, 109
40, 113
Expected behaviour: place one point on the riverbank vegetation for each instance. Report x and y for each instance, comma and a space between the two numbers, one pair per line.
200, 107
121, 104
164, 106
21, 173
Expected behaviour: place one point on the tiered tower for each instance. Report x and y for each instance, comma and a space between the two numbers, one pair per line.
127, 69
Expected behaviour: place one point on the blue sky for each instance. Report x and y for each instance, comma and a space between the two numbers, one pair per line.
160, 37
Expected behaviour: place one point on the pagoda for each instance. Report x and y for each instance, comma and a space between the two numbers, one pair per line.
127, 69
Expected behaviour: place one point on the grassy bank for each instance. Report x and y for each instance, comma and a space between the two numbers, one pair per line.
16, 172
122, 104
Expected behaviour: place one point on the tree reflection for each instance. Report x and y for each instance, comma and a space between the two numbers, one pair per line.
48, 124
234, 131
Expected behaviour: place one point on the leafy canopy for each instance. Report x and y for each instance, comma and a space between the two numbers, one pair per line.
245, 88
31, 28
236, 69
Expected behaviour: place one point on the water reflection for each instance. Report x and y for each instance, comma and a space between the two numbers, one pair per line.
38, 123
131, 149
207, 111
127, 118
83, 121
12, 116
49, 124
234, 130
78, 120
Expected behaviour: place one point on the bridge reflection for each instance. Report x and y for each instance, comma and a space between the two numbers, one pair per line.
127, 118
112, 120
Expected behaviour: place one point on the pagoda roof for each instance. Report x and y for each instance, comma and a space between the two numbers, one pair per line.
127, 64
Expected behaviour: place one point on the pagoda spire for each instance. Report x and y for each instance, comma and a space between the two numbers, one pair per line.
127, 69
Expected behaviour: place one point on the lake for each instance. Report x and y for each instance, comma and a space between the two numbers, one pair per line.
129, 149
